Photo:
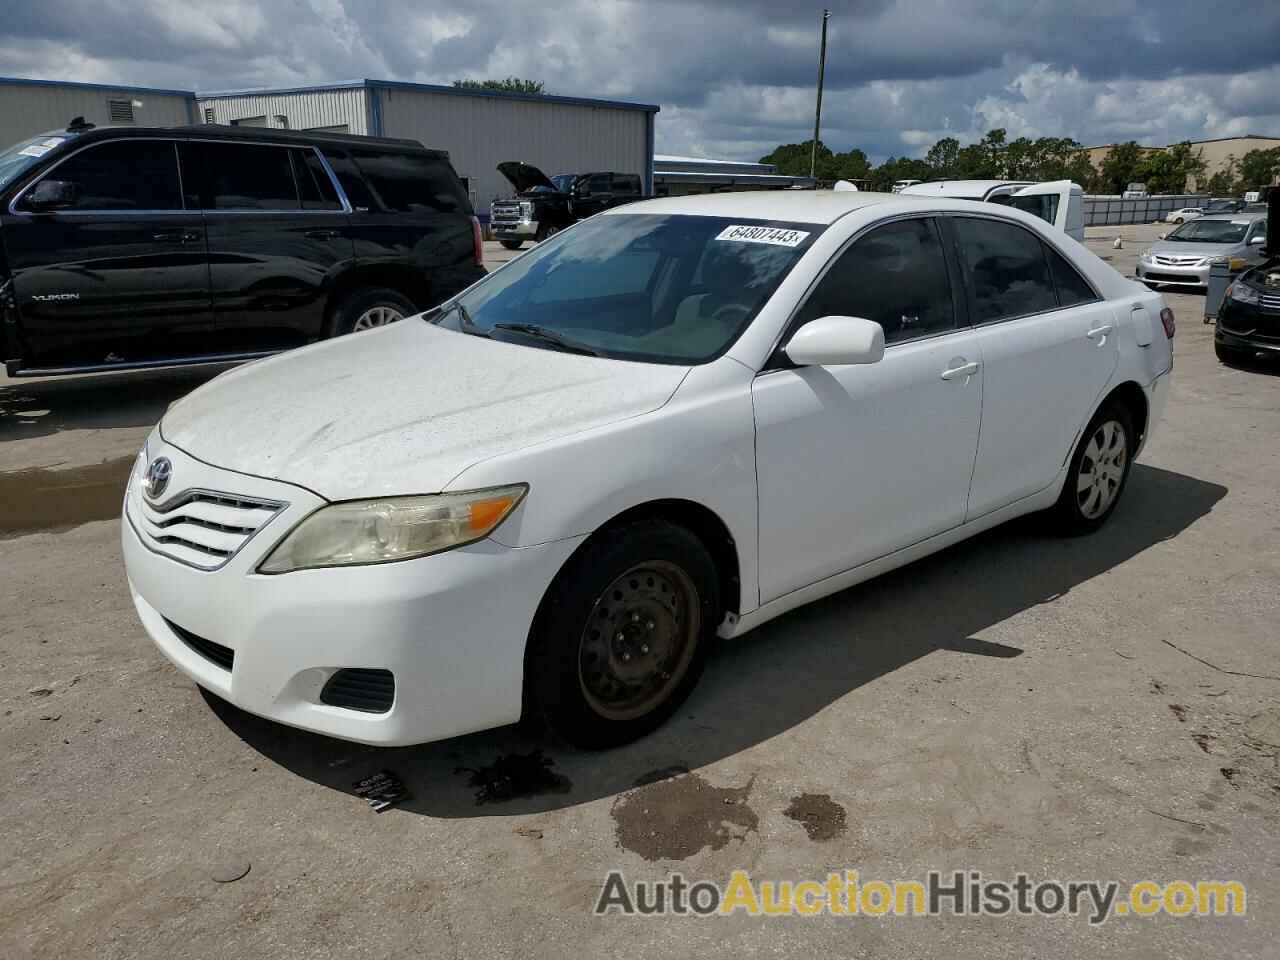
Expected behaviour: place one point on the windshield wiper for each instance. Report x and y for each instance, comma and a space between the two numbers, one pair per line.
549, 336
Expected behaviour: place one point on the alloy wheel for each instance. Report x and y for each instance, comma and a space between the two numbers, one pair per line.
1102, 469
378, 316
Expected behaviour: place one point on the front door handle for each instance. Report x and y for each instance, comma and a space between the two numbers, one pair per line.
176, 236
964, 370
322, 234
1100, 333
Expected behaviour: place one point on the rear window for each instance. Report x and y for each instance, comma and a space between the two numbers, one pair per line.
411, 182
1008, 272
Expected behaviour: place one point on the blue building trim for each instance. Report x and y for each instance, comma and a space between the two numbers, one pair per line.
433, 88
375, 109
122, 88
648, 152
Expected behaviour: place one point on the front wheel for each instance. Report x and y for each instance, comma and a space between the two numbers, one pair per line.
547, 230
512, 244
1098, 471
623, 634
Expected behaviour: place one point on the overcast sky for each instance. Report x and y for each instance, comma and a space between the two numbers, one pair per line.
733, 79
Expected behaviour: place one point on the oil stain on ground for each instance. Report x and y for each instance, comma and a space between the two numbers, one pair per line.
821, 817
51, 499
516, 775
674, 814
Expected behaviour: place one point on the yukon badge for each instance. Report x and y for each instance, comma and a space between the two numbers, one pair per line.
53, 297
157, 479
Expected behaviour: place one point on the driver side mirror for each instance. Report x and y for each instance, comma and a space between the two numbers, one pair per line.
53, 195
835, 341
1257, 241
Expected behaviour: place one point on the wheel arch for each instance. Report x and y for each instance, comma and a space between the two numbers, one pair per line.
1134, 399
405, 280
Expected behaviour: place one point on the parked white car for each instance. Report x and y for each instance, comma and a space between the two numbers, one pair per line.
1059, 202
1184, 214
679, 418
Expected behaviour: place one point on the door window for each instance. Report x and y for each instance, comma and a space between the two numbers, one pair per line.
123, 175
249, 176
314, 185
895, 275
1007, 269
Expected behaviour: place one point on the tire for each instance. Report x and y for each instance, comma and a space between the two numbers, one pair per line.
1178, 220
547, 230
1085, 505
1233, 356
512, 244
369, 307
623, 634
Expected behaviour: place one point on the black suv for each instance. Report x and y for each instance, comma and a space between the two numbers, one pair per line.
137, 247
546, 205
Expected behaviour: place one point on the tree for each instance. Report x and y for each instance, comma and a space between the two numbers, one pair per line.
1169, 170
899, 168
943, 159
1223, 182
792, 159
1258, 168
509, 85
1121, 166
851, 165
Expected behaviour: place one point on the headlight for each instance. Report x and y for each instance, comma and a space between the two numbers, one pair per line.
1242, 294
1145, 255
526, 208
394, 528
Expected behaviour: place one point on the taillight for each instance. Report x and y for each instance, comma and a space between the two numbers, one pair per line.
478, 240
1166, 317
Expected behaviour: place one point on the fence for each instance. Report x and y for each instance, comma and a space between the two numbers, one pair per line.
1108, 210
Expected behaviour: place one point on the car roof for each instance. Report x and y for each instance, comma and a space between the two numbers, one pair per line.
796, 206
214, 131
1242, 215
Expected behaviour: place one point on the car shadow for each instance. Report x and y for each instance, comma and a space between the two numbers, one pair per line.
771, 679
41, 407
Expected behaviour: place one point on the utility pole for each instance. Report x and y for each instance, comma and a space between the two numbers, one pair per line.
817, 116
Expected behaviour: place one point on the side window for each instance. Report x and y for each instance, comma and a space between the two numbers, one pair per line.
247, 176
314, 185
897, 276
411, 182
124, 175
600, 183
1044, 205
353, 185
626, 183
1007, 269
1072, 288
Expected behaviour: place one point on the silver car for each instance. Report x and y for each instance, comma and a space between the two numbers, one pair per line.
1184, 256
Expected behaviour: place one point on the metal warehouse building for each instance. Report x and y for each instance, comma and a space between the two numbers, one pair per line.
28, 107
479, 128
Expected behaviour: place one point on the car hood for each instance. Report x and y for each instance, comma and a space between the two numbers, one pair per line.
404, 409
1178, 248
525, 176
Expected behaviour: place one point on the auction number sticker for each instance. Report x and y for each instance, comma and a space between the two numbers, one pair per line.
775, 236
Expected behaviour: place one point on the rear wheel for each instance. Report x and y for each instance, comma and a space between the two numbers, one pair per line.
623, 634
512, 244
1233, 356
367, 308
1098, 471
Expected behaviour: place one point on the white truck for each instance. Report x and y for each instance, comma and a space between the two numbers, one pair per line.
1060, 202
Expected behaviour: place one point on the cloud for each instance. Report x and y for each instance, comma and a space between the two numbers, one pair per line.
733, 78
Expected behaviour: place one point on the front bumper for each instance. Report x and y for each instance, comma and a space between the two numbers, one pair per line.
514, 229
1177, 275
451, 628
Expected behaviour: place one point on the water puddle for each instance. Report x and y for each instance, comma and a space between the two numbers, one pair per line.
672, 818
821, 817
53, 499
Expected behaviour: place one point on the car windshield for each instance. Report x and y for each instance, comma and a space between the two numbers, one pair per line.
649, 287
564, 181
22, 155
1210, 231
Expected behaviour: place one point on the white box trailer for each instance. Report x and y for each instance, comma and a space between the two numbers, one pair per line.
1060, 202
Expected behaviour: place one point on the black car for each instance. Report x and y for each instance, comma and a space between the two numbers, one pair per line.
546, 205
1248, 321
137, 247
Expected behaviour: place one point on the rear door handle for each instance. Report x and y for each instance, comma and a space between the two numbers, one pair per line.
1100, 333
322, 234
965, 370
176, 236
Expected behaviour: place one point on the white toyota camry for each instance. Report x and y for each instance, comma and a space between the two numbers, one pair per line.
677, 419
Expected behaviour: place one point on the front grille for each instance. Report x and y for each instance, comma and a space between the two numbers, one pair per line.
1170, 277
1271, 302
370, 691
506, 211
215, 653
1177, 261
201, 528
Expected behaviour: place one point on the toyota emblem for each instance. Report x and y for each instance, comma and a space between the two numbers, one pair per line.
157, 478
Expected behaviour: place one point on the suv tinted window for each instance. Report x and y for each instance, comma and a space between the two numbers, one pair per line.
249, 176
1007, 269
896, 276
314, 185
599, 183
626, 183
1072, 288
410, 182
124, 175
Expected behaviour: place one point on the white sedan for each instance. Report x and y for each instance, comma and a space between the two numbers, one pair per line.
1183, 215
678, 419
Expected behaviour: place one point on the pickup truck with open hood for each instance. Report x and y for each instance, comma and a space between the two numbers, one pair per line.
545, 205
